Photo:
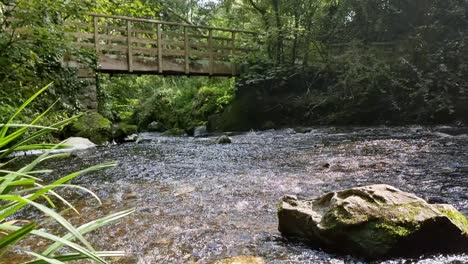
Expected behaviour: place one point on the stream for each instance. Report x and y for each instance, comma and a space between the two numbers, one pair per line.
199, 202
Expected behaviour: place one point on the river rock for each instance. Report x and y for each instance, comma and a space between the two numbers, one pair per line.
123, 132
200, 131
241, 260
156, 127
131, 138
78, 143
303, 130
374, 222
223, 140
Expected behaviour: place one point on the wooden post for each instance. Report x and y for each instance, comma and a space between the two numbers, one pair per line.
160, 49
210, 50
187, 47
129, 46
96, 35
233, 49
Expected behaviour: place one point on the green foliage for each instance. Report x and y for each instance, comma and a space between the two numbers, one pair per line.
93, 126
22, 188
175, 102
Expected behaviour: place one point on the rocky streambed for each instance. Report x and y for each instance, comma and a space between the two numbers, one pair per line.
202, 202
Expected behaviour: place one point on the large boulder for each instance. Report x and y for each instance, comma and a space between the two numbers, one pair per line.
373, 222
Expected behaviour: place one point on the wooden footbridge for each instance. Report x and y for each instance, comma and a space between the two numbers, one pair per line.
145, 46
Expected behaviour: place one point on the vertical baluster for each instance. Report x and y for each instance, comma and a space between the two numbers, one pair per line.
160, 49
129, 46
96, 35
210, 50
186, 44
233, 49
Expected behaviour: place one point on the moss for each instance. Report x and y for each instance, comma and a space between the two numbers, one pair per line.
395, 229
93, 126
280, 207
457, 218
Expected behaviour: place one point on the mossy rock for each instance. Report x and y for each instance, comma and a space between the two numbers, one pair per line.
375, 222
92, 126
123, 130
174, 132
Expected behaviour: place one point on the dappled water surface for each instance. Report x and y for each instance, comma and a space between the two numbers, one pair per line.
198, 202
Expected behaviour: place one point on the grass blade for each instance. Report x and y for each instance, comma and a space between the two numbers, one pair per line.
78, 256
45, 259
78, 248
14, 237
58, 218
4, 129
88, 227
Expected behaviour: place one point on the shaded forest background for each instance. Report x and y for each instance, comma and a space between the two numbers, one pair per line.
316, 62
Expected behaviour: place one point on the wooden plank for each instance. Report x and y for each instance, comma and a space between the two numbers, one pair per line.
113, 37
144, 41
173, 53
180, 44
84, 35
155, 50
144, 31
148, 52
116, 28
129, 46
173, 34
197, 36
160, 49
110, 48
83, 45
198, 45
223, 38
187, 51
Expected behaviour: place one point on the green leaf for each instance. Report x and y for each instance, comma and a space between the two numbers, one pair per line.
4, 129
58, 218
14, 237
88, 227
80, 249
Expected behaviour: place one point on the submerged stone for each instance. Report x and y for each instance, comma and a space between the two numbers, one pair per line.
223, 140
374, 222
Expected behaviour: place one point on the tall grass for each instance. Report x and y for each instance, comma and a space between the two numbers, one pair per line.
23, 188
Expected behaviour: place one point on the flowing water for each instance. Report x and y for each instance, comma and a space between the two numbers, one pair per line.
198, 202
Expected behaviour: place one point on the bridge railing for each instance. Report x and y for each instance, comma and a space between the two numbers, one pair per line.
144, 45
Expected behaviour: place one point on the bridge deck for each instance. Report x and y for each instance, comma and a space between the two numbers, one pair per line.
133, 45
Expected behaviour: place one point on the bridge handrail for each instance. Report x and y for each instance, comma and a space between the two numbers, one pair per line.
154, 21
